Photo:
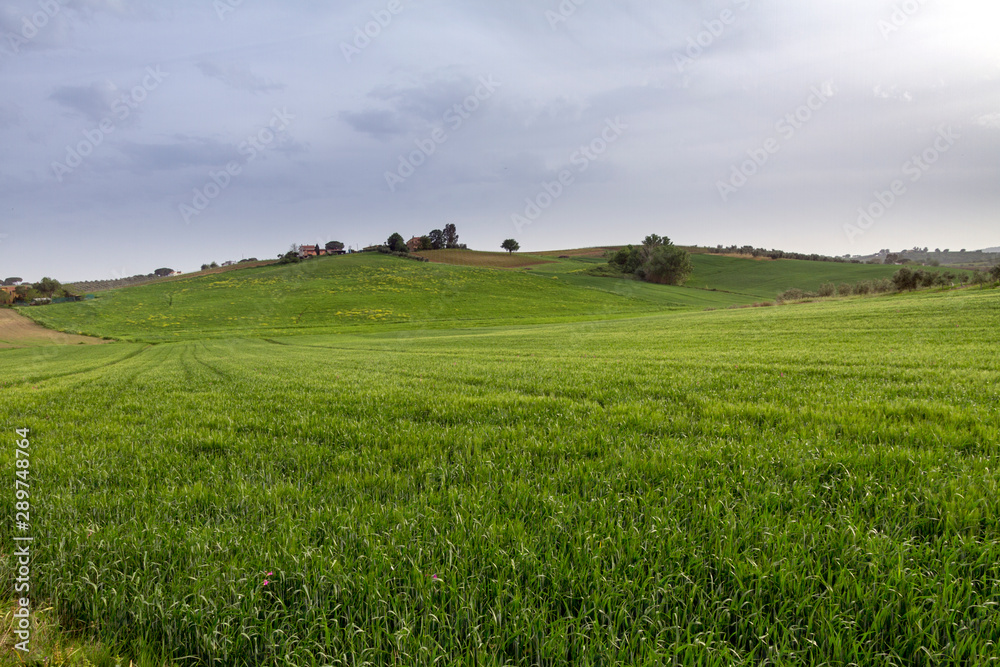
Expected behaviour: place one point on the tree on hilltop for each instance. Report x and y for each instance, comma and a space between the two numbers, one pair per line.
13, 281
335, 245
510, 245
437, 239
450, 236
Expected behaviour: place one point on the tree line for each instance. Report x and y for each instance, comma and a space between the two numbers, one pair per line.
436, 239
778, 254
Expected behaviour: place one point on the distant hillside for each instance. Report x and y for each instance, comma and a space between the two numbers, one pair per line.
354, 292
972, 259
765, 279
745, 278
92, 286
361, 291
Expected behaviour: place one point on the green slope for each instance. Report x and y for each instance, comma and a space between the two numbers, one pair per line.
357, 292
767, 279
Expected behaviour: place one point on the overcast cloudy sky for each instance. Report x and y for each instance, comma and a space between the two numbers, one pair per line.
136, 135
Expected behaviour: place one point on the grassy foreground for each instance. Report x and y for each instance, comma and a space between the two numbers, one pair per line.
793, 486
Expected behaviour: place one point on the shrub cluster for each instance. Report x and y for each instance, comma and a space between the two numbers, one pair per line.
863, 287
907, 279
657, 260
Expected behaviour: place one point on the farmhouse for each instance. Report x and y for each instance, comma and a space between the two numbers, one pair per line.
8, 288
413, 244
306, 251
311, 251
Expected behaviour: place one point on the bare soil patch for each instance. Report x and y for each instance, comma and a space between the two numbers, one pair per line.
16, 330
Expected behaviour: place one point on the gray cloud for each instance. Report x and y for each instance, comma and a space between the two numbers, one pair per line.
239, 78
689, 125
379, 124
177, 152
92, 102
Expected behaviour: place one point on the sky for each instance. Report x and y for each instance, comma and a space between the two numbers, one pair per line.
136, 135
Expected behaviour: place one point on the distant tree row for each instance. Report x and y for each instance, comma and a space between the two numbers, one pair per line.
85, 286
779, 254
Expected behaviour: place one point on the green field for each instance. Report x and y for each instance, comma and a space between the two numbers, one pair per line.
765, 279
513, 468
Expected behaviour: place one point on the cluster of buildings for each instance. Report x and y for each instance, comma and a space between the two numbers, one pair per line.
318, 251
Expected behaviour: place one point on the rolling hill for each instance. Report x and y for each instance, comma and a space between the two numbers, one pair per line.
359, 292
